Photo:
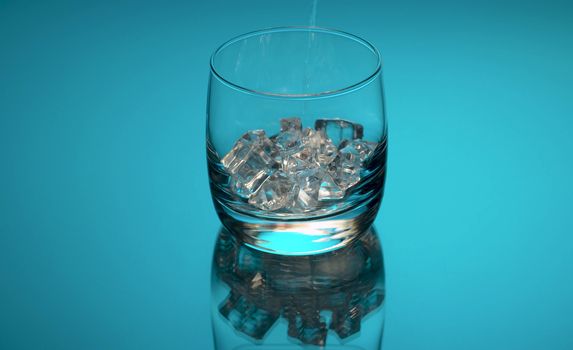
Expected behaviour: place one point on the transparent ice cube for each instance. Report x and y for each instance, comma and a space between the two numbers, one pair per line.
306, 155
289, 139
339, 130
305, 158
309, 181
250, 162
311, 138
363, 148
248, 181
295, 164
327, 152
291, 123
320, 148
329, 189
298, 168
276, 192
347, 166
252, 141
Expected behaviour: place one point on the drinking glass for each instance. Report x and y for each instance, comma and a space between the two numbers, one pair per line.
296, 138
265, 301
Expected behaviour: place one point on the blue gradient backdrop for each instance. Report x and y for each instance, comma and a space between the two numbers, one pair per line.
106, 222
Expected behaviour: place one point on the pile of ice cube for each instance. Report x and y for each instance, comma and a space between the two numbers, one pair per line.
297, 170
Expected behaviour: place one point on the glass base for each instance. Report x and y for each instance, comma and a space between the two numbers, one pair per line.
314, 235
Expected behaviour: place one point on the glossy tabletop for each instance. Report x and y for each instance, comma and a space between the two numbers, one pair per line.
107, 228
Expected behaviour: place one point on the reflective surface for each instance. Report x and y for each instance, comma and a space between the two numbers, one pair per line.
106, 223
333, 300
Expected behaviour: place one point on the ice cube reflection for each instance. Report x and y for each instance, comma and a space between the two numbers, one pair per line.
321, 300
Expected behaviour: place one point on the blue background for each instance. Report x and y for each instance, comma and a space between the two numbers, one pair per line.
106, 221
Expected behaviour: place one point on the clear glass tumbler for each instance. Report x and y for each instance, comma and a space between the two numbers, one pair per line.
296, 138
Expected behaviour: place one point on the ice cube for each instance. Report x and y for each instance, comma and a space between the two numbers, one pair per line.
309, 182
276, 192
305, 156
288, 142
293, 165
248, 180
254, 140
338, 130
250, 162
311, 139
304, 201
363, 148
327, 152
346, 167
292, 123
289, 139
320, 148
329, 189
298, 168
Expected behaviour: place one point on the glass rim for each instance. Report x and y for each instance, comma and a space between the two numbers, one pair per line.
327, 93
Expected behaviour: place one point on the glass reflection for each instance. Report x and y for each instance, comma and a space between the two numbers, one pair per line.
333, 300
